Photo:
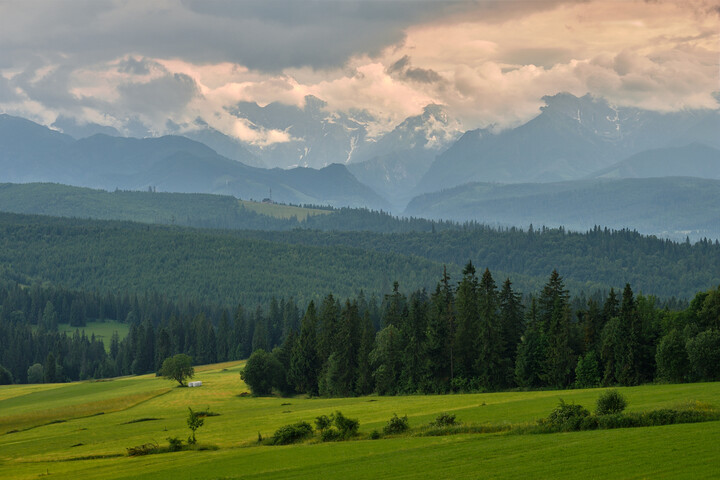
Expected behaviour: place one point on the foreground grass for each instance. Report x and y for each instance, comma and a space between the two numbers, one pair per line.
84, 446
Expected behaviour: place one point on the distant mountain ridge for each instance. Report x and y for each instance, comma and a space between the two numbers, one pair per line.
671, 207
694, 160
32, 153
570, 139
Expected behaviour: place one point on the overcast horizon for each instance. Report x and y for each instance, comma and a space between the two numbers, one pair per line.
148, 65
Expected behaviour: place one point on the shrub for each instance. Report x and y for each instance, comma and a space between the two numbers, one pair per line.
374, 435
175, 444
619, 420
347, 427
567, 416
610, 402
292, 433
322, 423
444, 420
145, 449
330, 435
396, 425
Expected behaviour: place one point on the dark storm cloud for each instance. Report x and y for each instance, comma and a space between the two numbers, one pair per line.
267, 35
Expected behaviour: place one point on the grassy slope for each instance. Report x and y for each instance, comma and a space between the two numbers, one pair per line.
660, 452
282, 211
102, 330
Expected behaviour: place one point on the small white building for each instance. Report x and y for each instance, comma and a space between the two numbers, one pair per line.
195, 384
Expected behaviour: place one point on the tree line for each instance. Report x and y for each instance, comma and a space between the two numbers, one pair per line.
466, 335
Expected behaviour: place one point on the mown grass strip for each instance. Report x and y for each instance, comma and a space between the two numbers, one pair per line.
27, 421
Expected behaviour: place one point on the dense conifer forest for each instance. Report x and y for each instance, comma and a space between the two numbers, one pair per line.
467, 334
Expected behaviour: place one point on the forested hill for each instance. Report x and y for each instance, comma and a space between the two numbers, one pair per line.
202, 265
226, 267
597, 257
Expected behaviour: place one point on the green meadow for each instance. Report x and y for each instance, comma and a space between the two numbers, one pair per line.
103, 330
277, 210
82, 430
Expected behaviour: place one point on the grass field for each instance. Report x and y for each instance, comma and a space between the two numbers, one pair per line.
282, 211
82, 430
102, 330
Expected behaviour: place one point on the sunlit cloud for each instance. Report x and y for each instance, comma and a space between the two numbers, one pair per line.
489, 63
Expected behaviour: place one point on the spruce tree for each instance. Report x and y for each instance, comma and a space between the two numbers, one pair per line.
488, 363
304, 361
512, 326
466, 304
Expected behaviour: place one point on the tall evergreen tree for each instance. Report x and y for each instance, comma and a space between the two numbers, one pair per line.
489, 344
466, 304
529, 363
304, 361
512, 326
413, 331
365, 383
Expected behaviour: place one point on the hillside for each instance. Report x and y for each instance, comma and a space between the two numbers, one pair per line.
252, 266
672, 207
694, 160
83, 429
207, 266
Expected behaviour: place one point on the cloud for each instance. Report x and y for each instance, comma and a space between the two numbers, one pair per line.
135, 65
159, 97
403, 69
7, 91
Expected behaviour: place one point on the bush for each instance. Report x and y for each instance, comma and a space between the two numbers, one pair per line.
619, 420
396, 425
374, 435
567, 416
344, 427
292, 433
330, 435
610, 402
322, 423
444, 420
347, 427
145, 449
175, 444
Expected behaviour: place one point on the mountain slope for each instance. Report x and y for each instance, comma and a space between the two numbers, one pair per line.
695, 160
673, 207
570, 139
399, 159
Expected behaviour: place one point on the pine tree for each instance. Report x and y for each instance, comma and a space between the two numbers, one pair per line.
365, 383
529, 362
466, 304
488, 364
413, 332
304, 361
512, 324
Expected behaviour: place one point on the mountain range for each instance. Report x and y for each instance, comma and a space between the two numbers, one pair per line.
424, 166
34, 153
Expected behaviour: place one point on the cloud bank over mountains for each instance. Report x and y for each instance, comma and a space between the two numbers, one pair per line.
150, 66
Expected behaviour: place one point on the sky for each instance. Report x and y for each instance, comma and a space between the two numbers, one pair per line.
141, 66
